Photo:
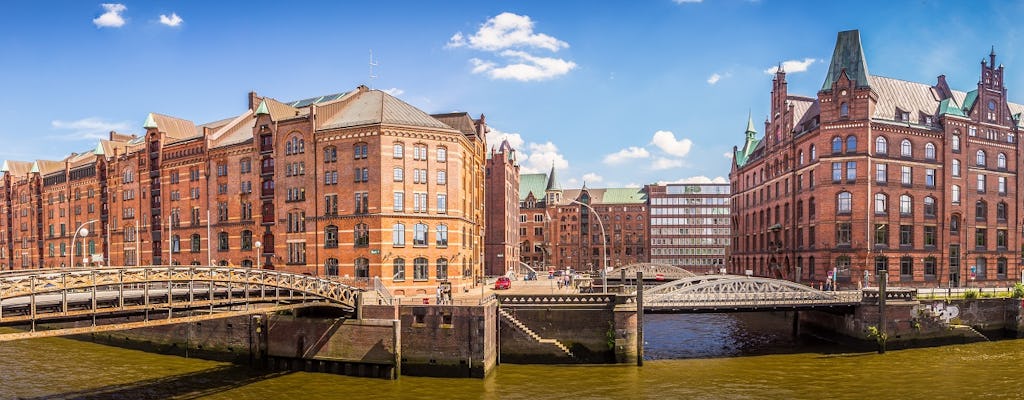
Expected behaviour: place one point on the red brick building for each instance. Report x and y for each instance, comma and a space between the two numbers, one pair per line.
689, 225
501, 242
876, 172
357, 185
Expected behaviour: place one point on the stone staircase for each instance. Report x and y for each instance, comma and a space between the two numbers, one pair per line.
530, 333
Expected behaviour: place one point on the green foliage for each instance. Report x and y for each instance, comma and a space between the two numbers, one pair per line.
970, 294
1018, 291
610, 335
879, 336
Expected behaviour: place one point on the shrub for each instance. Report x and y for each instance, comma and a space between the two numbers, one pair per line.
970, 294
1018, 291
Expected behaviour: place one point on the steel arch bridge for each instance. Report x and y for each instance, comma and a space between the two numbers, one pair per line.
30, 296
651, 271
718, 293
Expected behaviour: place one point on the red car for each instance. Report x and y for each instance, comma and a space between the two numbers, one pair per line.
502, 283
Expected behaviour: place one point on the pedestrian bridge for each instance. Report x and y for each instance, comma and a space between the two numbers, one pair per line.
729, 293
27, 297
651, 271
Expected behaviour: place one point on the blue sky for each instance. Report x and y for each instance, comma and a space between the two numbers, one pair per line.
614, 93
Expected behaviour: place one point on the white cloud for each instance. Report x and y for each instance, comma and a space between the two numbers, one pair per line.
631, 152
504, 31
112, 17
495, 136
791, 66
661, 163
394, 91
540, 157
697, 179
592, 178
632, 185
89, 128
714, 78
523, 67
172, 20
727, 154
666, 141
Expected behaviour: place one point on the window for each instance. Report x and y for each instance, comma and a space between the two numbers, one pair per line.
442, 154
442, 236
399, 270
843, 234
972, 131
851, 171
331, 204
981, 183
245, 165
906, 205
1001, 211
222, 241
1002, 184
954, 224
419, 237
442, 177
1001, 268
906, 150
398, 150
851, 144
420, 272
297, 253
929, 151
399, 174
880, 204
881, 146
929, 236
844, 110
801, 157
814, 153
881, 263
980, 210
955, 194
929, 206
837, 172
837, 145
442, 203
359, 151
1001, 161
330, 154
398, 235
442, 268
175, 244
955, 143
929, 178
956, 168
362, 266
362, 202
980, 158
195, 243
881, 173
1001, 239
399, 201
361, 235
906, 175
882, 234
980, 238
906, 268
845, 203
906, 235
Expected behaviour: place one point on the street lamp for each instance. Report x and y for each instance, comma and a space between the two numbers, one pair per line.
85, 232
604, 247
257, 245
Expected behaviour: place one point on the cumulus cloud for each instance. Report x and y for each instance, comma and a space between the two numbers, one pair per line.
89, 128
540, 157
172, 20
112, 17
714, 78
495, 136
791, 66
661, 163
666, 141
629, 153
394, 91
504, 31
508, 36
697, 179
592, 178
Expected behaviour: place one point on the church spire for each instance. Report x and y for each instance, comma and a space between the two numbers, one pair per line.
552, 181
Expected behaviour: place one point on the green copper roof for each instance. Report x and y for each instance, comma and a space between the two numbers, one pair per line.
949, 107
35, 168
150, 122
1016, 118
6, 167
262, 109
552, 180
99, 149
535, 183
744, 153
969, 100
848, 55
623, 196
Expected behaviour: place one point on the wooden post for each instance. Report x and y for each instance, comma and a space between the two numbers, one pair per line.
639, 319
396, 328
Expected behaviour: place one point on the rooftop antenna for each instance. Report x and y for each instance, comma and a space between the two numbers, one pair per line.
372, 64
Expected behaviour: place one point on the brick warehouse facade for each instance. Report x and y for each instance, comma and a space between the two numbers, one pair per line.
501, 243
879, 173
357, 185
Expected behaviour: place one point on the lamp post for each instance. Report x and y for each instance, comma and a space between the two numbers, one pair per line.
604, 247
85, 232
257, 245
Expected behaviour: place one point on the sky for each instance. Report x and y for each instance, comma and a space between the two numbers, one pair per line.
612, 93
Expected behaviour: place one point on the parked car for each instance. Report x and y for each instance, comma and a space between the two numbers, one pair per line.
502, 283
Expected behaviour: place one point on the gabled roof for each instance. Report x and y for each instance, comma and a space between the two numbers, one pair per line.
949, 107
848, 56
238, 130
174, 128
532, 183
369, 107
460, 121
16, 168
281, 111
46, 167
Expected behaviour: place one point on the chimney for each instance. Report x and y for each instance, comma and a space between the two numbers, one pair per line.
254, 100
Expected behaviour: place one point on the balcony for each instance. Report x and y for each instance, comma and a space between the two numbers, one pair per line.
267, 170
267, 219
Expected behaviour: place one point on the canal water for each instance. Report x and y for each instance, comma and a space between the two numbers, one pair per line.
708, 356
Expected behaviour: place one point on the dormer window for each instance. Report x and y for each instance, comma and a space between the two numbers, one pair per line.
928, 120
844, 110
902, 115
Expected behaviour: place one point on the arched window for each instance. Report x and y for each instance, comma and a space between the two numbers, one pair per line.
881, 145
845, 203
92, 246
175, 244
929, 151
398, 270
1001, 211
442, 236
929, 206
1001, 268
955, 194
881, 206
1001, 161
956, 167
362, 267
814, 153
956, 143
981, 270
906, 205
442, 269
245, 263
361, 235
420, 271
331, 267
398, 234
837, 145
331, 237
844, 110
954, 224
246, 240
906, 149
399, 150
222, 241
195, 243
801, 157
419, 236
980, 158
851, 144
289, 148
980, 210
811, 209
